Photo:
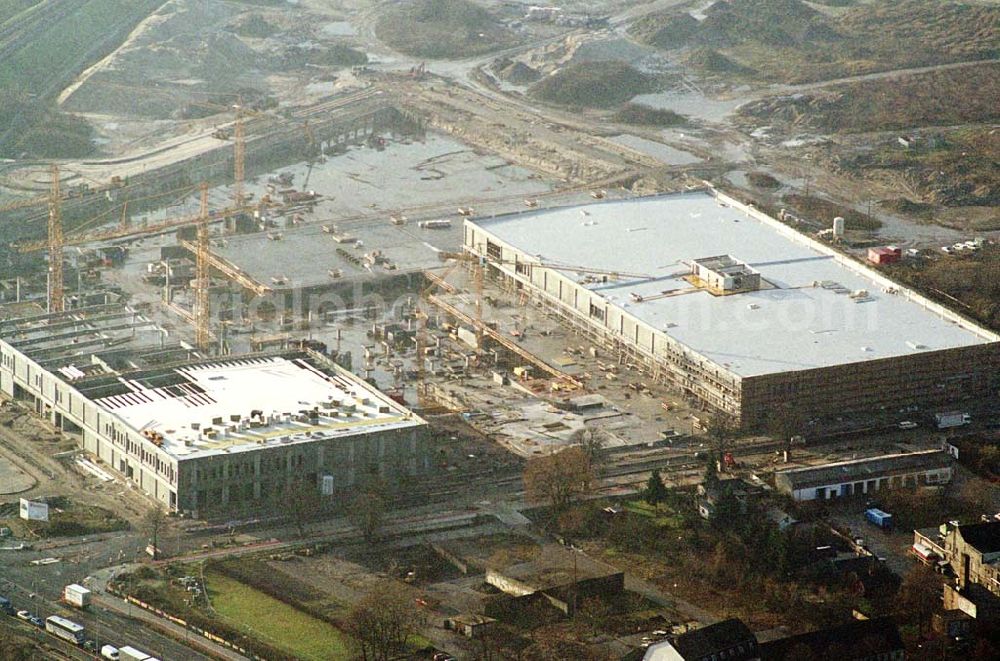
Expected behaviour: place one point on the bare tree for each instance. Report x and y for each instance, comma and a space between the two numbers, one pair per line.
919, 595
382, 621
783, 423
593, 613
499, 642
722, 430
153, 522
367, 509
988, 460
302, 502
592, 441
559, 477
976, 496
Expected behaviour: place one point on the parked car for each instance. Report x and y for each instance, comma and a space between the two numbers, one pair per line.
23, 615
37, 621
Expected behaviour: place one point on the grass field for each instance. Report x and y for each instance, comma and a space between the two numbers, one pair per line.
664, 516
275, 622
70, 42
11, 8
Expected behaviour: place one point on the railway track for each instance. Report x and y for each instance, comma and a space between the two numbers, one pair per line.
487, 482
101, 625
50, 646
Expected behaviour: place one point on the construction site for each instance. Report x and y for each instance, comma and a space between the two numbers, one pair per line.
197, 433
738, 310
578, 327
382, 231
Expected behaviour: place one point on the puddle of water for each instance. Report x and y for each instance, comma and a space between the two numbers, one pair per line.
692, 105
326, 87
339, 29
738, 178
661, 152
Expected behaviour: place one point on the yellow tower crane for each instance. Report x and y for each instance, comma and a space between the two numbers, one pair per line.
239, 158
56, 292
201, 307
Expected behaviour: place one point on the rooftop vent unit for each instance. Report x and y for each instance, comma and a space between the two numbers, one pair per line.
726, 274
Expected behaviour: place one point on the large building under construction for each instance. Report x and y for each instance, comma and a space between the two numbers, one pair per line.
203, 434
741, 311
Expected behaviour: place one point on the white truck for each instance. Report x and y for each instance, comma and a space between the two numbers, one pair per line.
76, 595
110, 652
129, 653
950, 419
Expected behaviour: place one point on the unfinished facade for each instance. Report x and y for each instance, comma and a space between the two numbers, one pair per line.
204, 435
741, 311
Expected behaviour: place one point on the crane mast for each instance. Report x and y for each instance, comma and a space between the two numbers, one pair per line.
56, 284
239, 158
201, 309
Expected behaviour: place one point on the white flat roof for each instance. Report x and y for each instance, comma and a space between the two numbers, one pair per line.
253, 402
806, 316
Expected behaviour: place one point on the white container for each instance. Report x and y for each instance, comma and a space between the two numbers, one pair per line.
76, 595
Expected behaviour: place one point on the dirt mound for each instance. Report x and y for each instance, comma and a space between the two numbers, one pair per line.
938, 98
772, 22
442, 29
634, 113
516, 72
255, 26
790, 41
666, 31
593, 84
712, 61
